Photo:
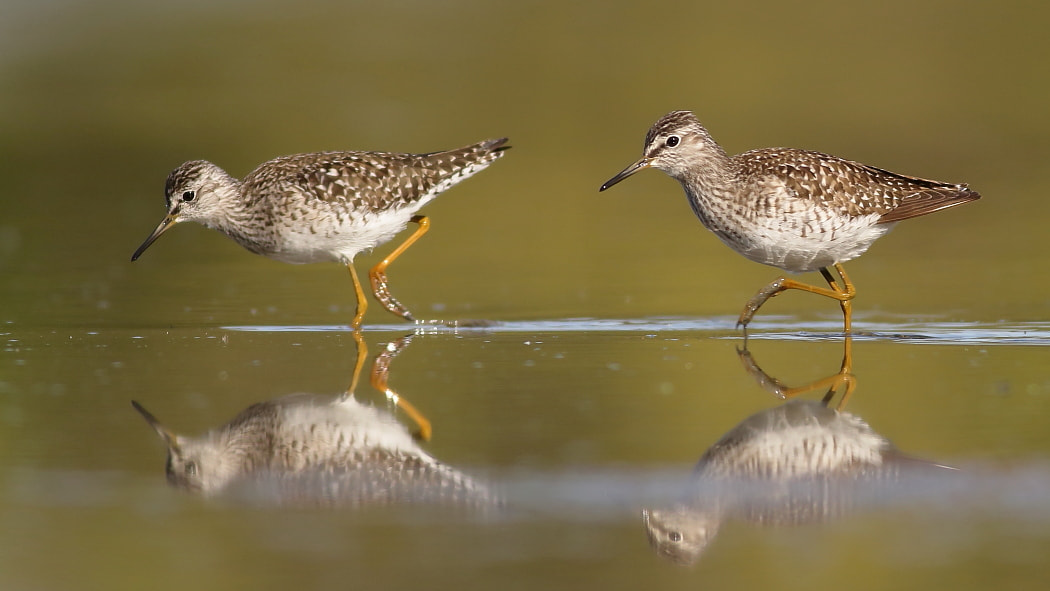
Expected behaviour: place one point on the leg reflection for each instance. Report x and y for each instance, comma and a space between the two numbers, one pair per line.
380, 377
842, 381
362, 354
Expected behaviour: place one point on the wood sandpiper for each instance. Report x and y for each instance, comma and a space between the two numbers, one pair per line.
322, 206
800, 462
793, 209
304, 449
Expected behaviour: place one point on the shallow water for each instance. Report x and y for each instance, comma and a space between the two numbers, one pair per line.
580, 424
586, 356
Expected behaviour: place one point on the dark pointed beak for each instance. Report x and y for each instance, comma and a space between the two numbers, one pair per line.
170, 439
169, 220
640, 165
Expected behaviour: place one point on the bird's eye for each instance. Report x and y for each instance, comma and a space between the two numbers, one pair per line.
674, 536
673, 141
191, 468
189, 196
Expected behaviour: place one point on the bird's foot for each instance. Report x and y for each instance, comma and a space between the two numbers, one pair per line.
381, 289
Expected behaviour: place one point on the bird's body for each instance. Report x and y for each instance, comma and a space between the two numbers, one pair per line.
797, 210
797, 463
306, 449
323, 206
783, 210
798, 439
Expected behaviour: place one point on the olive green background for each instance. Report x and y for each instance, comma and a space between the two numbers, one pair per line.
616, 366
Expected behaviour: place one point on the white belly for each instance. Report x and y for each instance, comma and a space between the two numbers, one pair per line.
798, 251
328, 237
791, 234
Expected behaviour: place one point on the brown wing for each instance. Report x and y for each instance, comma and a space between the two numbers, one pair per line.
925, 197
373, 181
851, 187
373, 478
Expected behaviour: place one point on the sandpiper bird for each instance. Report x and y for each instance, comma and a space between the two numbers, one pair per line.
311, 450
323, 206
800, 462
793, 209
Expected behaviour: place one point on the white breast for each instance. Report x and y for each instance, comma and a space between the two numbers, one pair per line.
329, 236
789, 233
345, 425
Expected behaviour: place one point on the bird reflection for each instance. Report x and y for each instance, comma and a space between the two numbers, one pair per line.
310, 450
800, 462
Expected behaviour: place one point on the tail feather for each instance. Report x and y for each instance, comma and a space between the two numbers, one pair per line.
929, 201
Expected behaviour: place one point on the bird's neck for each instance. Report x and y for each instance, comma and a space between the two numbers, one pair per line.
711, 180
244, 448
244, 221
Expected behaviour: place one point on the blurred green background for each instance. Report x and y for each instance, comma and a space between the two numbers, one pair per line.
100, 100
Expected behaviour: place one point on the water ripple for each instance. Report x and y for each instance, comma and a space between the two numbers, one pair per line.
772, 328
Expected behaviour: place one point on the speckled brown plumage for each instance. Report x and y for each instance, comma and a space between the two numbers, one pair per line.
797, 463
311, 450
797, 210
322, 193
367, 182
322, 206
851, 187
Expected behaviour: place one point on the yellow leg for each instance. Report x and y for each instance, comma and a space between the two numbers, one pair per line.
847, 290
362, 354
378, 272
843, 381
362, 302
380, 375
846, 370
843, 294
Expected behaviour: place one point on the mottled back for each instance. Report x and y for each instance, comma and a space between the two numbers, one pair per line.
370, 181
303, 449
373, 477
850, 187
